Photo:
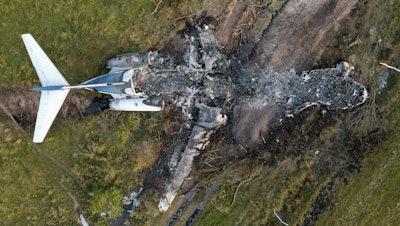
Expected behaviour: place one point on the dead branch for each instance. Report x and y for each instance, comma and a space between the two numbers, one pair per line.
237, 189
80, 218
218, 208
76, 204
262, 137
366, 118
280, 218
391, 67
157, 5
208, 164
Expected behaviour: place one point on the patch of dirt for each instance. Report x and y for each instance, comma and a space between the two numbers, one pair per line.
250, 125
298, 35
20, 102
233, 31
23, 104
227, 28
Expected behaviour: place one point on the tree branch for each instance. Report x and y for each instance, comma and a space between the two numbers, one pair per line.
237, 189
157, 5
280, 218
391, 67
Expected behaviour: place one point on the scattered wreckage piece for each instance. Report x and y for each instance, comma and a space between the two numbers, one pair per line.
209, 120
129, 204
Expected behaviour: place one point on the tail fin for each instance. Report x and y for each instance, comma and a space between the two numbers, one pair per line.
49, 75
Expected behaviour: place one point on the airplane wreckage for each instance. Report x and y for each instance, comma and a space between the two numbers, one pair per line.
209, 89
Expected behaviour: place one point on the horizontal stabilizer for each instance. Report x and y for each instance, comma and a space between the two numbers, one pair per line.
49, 106
48, 73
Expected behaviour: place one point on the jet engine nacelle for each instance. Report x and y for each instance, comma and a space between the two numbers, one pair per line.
132, 60
132, 104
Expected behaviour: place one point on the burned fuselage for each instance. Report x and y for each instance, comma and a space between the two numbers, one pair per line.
208, 78
210, 92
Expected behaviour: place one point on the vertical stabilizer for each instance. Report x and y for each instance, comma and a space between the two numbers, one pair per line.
49, 75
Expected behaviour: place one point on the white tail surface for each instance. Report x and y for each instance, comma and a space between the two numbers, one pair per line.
49, 75
49, 106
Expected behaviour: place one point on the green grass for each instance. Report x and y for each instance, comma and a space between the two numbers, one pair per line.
256, 199
78, 36
31, 190
109, 200
370, 197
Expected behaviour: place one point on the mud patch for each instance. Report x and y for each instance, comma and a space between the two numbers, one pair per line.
23, 104
251, 124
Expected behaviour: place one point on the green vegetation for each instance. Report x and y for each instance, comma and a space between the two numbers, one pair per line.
252, 191
115, 155
109, 200
31, 183
370, 197
80, 35
267, 190
69, 32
